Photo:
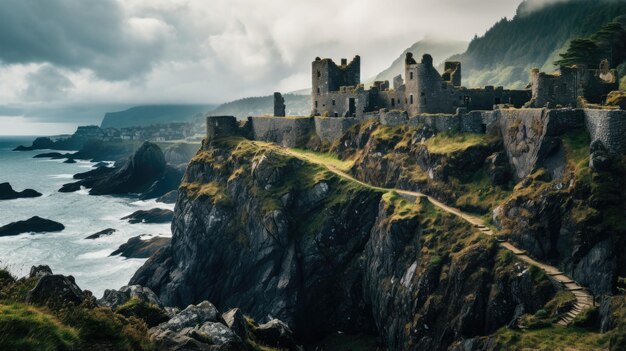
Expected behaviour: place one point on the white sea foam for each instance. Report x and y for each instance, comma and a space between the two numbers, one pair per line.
68, 252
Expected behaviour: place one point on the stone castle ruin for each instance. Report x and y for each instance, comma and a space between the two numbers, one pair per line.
337, 91
425, 97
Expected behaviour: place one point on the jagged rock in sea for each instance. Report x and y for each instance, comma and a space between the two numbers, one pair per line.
32, 225
104, 232
38, 143
145, 173
137, 247
52, 155
7, 192
155, 215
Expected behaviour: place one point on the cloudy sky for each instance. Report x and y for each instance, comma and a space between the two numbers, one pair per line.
65, 62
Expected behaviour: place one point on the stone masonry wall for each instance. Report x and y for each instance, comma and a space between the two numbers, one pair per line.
608, 126
332, 128
285, 131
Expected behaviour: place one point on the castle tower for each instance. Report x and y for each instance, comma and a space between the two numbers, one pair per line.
328, 77
423, 85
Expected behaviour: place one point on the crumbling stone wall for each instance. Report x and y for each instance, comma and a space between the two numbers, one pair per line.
608, 126
221, 126
288, 132
330, 129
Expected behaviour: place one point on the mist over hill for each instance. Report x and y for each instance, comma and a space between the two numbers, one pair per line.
439, 49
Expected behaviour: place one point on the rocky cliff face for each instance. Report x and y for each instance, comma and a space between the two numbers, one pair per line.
281, 238
565, 208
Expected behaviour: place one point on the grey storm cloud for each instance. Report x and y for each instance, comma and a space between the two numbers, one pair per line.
46, 83
75, 34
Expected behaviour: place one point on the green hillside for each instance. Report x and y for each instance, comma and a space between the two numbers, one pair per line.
153, 114
507, 51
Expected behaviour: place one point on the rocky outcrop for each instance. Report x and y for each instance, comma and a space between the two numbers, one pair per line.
39, 271
138, 247
169, 197
104, 232
38, 144
180, 153
276, 236
113, 298
55, 290
197, 327
32, 225
53, 155
155, 215
7, 192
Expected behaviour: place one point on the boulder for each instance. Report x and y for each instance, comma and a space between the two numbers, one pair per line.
136, 247
32, 225
113, 298
192, 316
155, 215
39, 271
7, 192
70, 160
197, 327
275, 333
105, 232
599, 158
55, 290
236, 321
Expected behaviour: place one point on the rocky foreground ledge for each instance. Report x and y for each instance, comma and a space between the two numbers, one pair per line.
46, 309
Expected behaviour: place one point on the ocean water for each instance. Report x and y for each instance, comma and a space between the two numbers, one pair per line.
67, 252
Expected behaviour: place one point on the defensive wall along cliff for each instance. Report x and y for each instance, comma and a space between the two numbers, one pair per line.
526, 132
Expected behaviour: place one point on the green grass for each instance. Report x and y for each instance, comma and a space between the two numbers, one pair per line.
63, 326
24, 327
211, 190
478, 194
447, 143
325, 158
551, 338
152, 314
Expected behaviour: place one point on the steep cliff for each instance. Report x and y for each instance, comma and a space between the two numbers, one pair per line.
277, 236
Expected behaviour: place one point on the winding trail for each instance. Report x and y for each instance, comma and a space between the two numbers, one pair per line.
584, 299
